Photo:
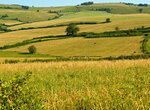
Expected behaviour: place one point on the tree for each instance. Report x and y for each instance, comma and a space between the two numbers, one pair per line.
108, 20
117, 28
25, 7
140, 10
87, 3
72, 29
32, 49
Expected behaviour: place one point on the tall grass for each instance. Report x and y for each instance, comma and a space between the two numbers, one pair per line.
102, 85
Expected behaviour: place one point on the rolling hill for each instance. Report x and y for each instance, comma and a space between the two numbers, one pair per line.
89, 18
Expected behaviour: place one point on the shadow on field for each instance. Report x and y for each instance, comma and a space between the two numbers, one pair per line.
25, 53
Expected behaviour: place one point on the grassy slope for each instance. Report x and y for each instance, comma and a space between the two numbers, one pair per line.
72, 85
73, 17
87, 47
25, 15
71, 14
122, 21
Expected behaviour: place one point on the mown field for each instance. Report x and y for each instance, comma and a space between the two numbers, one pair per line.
103, 47
104, 85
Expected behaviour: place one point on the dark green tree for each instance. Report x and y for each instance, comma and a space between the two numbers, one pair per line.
108, 20
32, 49
72, 29
140, 10
25, 7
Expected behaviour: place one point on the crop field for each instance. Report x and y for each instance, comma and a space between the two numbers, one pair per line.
104, 47
88, 85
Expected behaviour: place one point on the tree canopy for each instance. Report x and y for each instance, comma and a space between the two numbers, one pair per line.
72, 29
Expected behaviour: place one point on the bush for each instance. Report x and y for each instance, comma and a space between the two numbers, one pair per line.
16, 95
32, 49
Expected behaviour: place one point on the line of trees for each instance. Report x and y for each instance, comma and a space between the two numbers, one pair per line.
141, 4
25, 7
87, 3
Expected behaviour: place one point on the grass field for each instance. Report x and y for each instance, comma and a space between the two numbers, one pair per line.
104, 47
25, 15
88, 85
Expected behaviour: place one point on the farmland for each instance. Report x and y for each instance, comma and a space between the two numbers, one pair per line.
104, 65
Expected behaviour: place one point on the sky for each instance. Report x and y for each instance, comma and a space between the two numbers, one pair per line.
47, 3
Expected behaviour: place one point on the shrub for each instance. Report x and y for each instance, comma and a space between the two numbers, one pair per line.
32, 49
16, 95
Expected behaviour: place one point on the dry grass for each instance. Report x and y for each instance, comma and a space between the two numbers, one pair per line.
89, 85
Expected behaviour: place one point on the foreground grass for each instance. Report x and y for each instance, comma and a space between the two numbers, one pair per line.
88, 85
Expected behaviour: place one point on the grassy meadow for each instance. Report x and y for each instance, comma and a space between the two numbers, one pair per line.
88, 85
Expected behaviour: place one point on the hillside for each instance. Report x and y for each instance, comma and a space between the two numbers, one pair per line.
88, 18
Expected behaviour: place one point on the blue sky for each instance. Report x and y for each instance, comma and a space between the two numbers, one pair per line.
47, 3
